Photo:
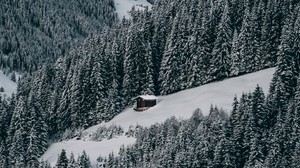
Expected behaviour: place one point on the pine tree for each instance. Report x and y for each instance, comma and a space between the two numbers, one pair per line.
37, 135
219, 153
72, 162
62, 161
5, 118
137, 63
172, 61
295, 156
220, 62
256, 157
236, 64
258, 109
198, 64
284, 78
84, 161
238, 131
44, 164
17, 157
3, 154
17, 135
246, 43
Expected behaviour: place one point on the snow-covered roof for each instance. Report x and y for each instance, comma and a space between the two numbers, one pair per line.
147, 97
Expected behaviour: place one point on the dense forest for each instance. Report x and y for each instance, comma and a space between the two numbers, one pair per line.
173, 46
36, 32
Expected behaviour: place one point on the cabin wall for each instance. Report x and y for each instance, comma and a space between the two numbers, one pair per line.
140, 103
150, 103
145, 103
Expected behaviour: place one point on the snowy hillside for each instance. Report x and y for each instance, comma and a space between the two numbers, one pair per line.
124, 6
181, 104
8, 85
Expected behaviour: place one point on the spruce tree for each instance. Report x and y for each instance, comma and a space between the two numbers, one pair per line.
72, 162
62, 161
220, 62
84, 161
44, 164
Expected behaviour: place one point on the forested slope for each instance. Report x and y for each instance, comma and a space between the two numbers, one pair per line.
35, 32
175, 46
162, 51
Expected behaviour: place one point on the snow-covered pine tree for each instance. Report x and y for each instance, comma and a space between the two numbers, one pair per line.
62, 161
220, 61
37, 135
83, 161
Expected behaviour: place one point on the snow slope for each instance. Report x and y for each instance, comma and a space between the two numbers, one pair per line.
92, 148
181, 104
124, 6
8, 85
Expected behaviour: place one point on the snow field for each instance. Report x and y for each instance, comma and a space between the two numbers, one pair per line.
124, 6
8, 85
92, 148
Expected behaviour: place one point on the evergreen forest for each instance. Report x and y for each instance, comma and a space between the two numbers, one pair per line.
82, 65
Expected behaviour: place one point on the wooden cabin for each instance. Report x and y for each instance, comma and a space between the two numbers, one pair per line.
144, 102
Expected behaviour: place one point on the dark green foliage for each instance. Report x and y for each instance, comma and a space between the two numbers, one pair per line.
44, 164
35, 32
220, 62
84, 161
72, 163
63, 160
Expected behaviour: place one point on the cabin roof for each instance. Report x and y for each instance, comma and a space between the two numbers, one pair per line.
147, 97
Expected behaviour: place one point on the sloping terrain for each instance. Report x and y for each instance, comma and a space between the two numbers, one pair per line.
8, 85
181, 105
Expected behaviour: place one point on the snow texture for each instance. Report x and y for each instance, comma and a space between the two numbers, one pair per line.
148, 97
8, 85
92, 148
181, 105
124, 6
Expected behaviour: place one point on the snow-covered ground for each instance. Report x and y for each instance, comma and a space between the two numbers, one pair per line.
8, 85
181, 105
124, 6
92, 148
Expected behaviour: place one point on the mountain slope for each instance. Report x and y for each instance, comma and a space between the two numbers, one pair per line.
8, 85
38, 32
181, 104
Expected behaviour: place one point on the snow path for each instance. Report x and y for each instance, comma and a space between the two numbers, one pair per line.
181, 104
124, 6
8, 85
